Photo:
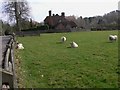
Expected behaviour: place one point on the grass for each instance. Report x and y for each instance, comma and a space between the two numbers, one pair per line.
47, 63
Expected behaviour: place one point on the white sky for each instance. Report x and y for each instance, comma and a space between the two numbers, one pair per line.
85, 8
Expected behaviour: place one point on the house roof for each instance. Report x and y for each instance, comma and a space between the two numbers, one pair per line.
55, 20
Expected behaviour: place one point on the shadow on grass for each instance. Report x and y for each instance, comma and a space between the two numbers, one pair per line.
69, 47
109, 42
59, 42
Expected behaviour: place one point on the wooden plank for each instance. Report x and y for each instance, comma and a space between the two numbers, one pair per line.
0, 52
7, 78
7, 72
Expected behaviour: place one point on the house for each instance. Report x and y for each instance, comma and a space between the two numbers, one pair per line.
59, 22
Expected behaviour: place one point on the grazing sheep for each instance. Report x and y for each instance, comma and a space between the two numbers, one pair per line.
20, 46
63, 39
112, 38
115, 36
73, 45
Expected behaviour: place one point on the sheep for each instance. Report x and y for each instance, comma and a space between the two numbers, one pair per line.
20, 46
73, 45
63, 39
115, 36
112, 38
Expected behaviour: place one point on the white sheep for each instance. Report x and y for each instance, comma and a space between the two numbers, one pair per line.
63, 39
115, 36
73, 45
112, 38
20, 46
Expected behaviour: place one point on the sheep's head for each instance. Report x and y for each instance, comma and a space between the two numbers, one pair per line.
71, 43
63, 39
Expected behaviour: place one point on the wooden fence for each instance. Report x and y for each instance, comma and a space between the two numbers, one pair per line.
8, 70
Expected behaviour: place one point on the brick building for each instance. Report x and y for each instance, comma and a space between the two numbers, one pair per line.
59, 22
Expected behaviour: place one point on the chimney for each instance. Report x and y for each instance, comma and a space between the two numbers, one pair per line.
63, 14
50, 12
56, 15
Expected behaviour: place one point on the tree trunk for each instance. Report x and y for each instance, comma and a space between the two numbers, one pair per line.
17, 17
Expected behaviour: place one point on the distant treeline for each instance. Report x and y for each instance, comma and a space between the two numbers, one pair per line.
109, 21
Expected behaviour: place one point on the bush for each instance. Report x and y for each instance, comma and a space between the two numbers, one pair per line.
43, 27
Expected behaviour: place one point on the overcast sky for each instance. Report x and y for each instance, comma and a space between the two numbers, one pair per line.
84, 8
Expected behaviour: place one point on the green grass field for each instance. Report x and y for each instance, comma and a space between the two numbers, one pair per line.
47, 63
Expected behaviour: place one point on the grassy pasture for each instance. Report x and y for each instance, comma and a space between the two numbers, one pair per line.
47, 63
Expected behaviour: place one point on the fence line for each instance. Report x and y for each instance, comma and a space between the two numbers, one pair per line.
8, 70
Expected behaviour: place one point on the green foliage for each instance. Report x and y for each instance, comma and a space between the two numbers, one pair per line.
47, 63
16, 12
6, 28
43, 27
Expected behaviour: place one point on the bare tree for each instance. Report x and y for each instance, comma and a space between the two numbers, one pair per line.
17, 11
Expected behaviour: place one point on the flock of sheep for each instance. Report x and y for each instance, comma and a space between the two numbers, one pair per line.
63, 39
73, 44
112, 38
